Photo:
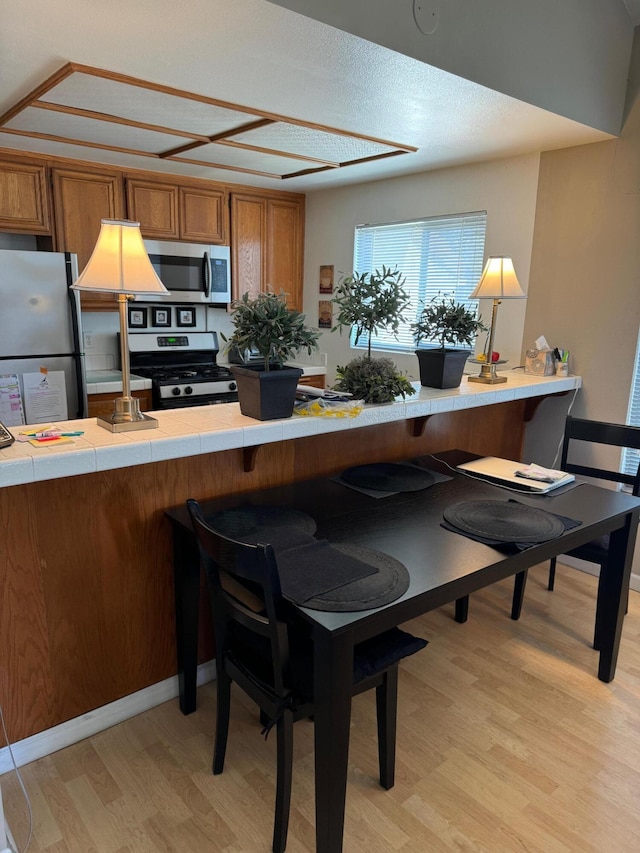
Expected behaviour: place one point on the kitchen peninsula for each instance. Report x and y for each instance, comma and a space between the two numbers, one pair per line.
87, 614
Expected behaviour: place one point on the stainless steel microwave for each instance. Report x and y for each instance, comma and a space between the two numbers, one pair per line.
191, 272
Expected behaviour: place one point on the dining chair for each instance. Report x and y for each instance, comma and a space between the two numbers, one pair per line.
271, 660
579, 431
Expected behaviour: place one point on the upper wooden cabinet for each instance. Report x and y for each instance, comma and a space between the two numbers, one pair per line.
155, 207
267, 238
203, 215
24, 200
81, 201
171, 211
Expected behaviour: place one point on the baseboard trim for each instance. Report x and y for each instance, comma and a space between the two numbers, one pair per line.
594, 569
51, 740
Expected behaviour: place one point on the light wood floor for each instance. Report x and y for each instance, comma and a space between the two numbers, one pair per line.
506, 742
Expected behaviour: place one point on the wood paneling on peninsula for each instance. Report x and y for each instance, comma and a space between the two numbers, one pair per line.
86, 614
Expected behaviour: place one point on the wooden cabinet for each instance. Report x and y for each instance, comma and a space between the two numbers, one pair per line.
285, 238
155, 207
24, 200
315, 380
267, 238
203, 214
101, 405
248, 244
81, 200
172, 211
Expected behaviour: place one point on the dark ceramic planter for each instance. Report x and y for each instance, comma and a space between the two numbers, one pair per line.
266, 395
441, 368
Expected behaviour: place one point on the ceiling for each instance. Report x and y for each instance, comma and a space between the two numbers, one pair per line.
317, 107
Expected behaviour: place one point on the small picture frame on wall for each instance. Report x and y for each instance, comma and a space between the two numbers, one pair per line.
137, 317
186, 316
326, 278
325, 315
161, 317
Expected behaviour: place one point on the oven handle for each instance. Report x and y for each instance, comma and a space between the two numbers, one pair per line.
206, 275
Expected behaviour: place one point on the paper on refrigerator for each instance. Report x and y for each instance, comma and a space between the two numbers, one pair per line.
45, 396
11, 410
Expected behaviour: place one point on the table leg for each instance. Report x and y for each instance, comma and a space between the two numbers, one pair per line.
333, 687
186, 574
612, 597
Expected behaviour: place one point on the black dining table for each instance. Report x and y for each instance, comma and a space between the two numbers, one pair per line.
444, 566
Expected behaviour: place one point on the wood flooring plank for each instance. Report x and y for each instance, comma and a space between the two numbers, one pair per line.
507, 742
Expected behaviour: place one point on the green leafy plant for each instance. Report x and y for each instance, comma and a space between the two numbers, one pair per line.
374, 380
371, 302
264, 323
447, 321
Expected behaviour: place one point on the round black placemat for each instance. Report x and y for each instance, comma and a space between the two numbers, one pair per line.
504, 521
388, 583
246, 520
388, 477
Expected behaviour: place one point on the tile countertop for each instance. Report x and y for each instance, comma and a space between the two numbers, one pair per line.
208, 429
110, 382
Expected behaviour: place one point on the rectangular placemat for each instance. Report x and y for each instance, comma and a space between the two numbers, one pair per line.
316, 568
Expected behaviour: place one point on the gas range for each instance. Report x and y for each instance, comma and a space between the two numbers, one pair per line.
182, 369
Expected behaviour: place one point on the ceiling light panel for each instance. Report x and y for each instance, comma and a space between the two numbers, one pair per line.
309, 142
81, 129
141, 104
226, 155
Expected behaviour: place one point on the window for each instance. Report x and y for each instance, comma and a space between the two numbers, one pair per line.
440, 255
630, 456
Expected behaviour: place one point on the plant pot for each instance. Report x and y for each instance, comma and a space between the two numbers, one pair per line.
266, 395
441, 368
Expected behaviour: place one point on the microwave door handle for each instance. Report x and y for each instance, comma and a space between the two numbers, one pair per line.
206, 275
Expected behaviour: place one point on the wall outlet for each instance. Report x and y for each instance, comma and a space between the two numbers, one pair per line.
87, 339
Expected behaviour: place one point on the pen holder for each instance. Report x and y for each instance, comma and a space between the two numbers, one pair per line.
562, 368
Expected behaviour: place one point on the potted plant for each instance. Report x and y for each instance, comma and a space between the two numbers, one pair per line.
448, 322
264, 324
371, 302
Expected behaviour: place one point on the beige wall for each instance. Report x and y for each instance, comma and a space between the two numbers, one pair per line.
506, 189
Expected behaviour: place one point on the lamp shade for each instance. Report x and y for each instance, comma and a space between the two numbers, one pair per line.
498, 281
119, 262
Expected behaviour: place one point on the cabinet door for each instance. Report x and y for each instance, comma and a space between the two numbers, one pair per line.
203, 214
248, 244
24, 203
155, 207
285, 223
101, 405
81, 201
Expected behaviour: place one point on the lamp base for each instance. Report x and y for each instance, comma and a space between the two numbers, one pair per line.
488, 376
127, 416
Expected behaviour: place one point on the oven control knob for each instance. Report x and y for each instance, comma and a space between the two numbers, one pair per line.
175, 392
232, 386
188, 390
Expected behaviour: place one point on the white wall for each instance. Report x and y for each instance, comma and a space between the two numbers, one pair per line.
506, 189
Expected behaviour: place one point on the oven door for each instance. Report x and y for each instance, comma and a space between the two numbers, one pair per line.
204, 400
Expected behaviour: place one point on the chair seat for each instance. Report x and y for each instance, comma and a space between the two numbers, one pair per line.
593, 552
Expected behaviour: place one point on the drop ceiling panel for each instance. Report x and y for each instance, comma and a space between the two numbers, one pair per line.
104, 109
145, 105
257, 161
66, 126
309, 142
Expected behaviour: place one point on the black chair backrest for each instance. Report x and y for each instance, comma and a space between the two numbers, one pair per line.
246, 602
600, 432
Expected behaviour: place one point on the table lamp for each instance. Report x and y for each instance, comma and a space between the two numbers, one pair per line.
120, 264
498, 282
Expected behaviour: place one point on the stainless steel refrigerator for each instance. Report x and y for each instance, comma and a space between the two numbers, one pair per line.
41, 334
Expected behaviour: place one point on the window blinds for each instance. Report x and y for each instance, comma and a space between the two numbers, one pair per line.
438, 256
630, 456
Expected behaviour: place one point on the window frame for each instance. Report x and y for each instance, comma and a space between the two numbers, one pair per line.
432, 268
